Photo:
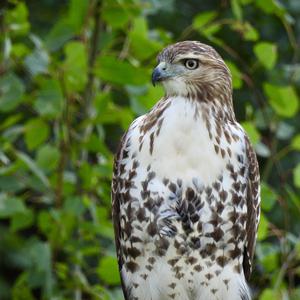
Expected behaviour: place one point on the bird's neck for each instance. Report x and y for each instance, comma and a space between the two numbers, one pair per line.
214, 98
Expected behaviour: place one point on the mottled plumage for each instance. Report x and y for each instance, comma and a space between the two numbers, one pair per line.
186, 187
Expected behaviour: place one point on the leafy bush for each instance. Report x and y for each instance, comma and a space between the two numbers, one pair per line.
74, 74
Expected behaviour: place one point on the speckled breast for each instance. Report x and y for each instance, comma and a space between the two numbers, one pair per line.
183, 209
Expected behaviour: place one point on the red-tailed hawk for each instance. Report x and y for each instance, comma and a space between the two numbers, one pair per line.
186, 188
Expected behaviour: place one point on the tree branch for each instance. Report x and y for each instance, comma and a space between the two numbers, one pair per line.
88, 92
64, 146
89, 89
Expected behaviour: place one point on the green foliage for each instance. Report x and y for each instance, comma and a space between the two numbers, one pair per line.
266, 54
111, 69
74, 74
108, 270
297, 176
12, 89
36, 132
283, 99
75, 67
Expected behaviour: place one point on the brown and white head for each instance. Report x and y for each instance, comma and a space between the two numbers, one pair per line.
194, 70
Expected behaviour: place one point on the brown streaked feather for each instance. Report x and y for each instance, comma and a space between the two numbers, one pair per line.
170, 52
253, 209
116, 208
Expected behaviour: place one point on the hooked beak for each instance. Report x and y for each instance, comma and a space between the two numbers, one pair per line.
159, 73
156, 76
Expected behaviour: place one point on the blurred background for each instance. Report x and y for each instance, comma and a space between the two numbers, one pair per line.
73, 76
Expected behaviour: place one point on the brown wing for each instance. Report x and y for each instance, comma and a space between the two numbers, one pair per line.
115, 195
253, 208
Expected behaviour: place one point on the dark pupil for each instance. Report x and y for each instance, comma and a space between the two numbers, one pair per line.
191, 63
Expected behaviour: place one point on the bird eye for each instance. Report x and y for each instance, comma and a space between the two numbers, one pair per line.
191, 64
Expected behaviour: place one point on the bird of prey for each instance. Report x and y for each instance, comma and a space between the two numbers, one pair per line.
186, 190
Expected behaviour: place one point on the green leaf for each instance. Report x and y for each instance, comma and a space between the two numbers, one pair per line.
77, 13
284, 131
74, 205
262, 228
210, 30
37, 62
60, 33
296, 142
147, 100
296, 173
93, 143
108, 270
268, 197
270, 262
114, 14
40, 273
10, 206
266, 53
237, 81
21, 289
49, 101
252, 132
269, 294
36, 132
61, 269
21, 220
268, 256
110, 68
114, 114
236, 9
262, 149
141, 45
293, 197
45, 221
203, 19
104, 227
16, 19
271, 7
10, 183
12, 133
75, 66
283, 99
47, 157
33, 167
250, 33
11, 92
19, 50
10, 121
68, 26
41, 254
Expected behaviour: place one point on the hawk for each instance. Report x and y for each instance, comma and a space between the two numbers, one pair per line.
185, 190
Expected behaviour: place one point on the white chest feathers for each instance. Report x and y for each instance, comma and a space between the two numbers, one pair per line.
179, 143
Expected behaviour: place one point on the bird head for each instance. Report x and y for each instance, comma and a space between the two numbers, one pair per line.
192, 69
